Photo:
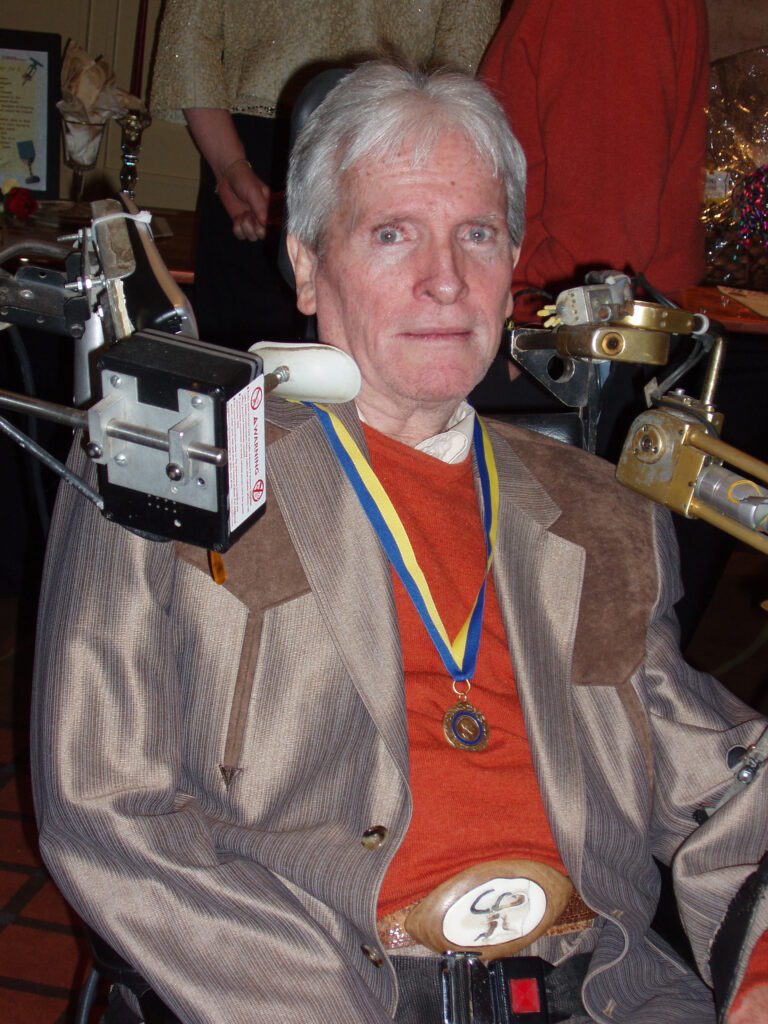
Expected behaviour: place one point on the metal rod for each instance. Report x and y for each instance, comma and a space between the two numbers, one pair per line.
48, 460
714, 366
78, 420
75, 418
700, 510
279, 375
158, 440
698, 438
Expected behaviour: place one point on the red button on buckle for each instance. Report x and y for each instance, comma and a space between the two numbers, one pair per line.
524, 995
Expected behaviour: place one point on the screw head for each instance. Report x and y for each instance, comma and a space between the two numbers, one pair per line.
115, 380
648, 444
612, 344
93, 450
174, 472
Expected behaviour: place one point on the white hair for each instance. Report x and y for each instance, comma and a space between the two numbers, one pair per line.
371, 112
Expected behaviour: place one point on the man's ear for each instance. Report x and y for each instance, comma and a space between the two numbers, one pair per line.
304, 262
510, 301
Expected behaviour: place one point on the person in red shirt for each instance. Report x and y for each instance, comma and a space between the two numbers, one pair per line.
608, 102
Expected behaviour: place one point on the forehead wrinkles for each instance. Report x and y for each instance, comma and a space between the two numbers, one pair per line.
372, 175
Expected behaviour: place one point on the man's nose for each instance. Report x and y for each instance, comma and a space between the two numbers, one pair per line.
442, 276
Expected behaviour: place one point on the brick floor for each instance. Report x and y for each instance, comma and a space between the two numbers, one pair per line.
44, 958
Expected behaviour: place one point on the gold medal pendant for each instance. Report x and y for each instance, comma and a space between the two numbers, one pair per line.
465, 727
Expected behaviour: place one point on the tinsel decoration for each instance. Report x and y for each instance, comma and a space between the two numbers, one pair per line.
751, 201
735, 212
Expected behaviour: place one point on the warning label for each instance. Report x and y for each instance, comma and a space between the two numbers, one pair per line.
246, 452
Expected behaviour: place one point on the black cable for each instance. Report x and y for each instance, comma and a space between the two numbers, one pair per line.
698, 353
655, 294
28, 383
52, 463
31, 247
533, 291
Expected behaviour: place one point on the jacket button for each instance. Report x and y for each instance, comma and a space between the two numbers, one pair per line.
373, 955
374, 837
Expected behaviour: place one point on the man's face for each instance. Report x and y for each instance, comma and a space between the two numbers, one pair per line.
414, 276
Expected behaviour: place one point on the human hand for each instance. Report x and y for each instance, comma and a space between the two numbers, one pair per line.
245, 197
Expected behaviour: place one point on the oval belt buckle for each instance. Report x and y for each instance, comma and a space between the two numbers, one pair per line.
492, 910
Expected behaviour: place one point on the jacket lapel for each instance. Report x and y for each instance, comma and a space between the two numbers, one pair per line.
538, 578
329, 529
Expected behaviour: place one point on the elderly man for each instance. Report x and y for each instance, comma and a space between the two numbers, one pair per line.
439, 691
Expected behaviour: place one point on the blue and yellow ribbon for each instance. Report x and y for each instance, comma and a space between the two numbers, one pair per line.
460, 655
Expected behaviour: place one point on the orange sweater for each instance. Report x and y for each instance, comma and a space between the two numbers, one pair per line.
467, 807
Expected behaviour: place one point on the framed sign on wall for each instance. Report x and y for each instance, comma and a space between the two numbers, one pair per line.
30, 72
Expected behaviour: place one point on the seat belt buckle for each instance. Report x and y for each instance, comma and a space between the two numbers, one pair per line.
507, 991
465, 989
518, 990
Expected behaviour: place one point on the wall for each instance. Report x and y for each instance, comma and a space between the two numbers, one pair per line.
168, 168
736, 25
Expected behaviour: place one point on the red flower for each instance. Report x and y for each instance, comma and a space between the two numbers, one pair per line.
20, 203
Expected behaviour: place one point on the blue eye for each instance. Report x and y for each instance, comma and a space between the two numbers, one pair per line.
388, 235
479, 233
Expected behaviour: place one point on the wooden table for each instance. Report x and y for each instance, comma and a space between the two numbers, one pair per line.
726, 310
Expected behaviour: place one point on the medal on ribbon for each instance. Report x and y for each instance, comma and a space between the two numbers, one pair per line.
464, 725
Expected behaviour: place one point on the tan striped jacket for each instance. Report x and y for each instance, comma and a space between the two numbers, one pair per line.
208, 757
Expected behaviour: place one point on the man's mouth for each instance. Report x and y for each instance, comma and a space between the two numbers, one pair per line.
438, 334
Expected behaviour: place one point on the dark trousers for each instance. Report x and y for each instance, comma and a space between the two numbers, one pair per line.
240, 296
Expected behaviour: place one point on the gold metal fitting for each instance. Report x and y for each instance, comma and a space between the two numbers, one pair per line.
653, 317
624, 344
612, 343
648, 444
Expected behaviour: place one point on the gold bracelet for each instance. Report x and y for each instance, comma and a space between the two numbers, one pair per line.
228, 168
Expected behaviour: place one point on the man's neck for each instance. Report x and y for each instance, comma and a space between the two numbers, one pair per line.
411, 426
